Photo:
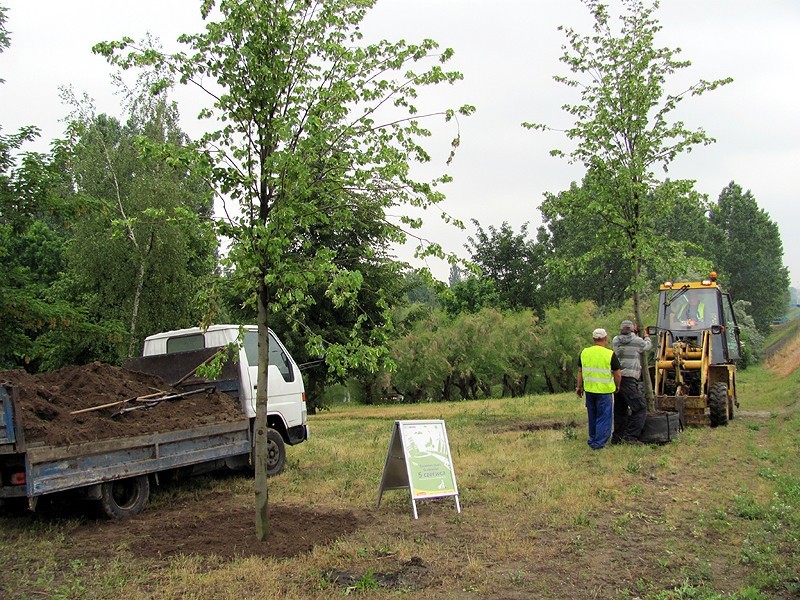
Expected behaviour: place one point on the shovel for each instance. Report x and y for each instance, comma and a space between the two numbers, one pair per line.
118, 402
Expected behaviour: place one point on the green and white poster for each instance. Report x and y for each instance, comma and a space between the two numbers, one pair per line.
419, 459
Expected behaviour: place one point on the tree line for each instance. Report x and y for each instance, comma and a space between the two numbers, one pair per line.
110, 235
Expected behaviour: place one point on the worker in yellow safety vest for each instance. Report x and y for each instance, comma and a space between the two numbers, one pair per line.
691, 311
599, 377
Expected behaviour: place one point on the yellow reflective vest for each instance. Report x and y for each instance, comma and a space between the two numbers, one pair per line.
596, 370
695, 313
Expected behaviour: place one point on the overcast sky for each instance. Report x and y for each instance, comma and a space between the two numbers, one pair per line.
508, 51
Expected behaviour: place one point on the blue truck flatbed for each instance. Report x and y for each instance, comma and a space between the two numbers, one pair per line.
113, 471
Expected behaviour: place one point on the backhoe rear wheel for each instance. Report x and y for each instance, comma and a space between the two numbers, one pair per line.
718, 403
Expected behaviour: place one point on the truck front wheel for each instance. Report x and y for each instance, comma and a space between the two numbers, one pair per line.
124, 497
276, 453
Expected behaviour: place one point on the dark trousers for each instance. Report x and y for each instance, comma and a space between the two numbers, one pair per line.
630, 411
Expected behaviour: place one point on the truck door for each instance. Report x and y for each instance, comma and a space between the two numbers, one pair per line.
731, 329
285, 387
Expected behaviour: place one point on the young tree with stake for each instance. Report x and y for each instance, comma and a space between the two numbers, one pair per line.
312, 124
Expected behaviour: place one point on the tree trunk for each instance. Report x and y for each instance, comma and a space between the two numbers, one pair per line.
548, 382
523, 385
463, 386
446, 395
137, 294
368, 386
260, 428
637, 309
648, 384
507, 387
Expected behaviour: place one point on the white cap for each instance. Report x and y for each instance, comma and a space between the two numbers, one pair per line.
599, 334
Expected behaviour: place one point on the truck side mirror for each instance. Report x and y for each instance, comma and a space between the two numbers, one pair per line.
651, 330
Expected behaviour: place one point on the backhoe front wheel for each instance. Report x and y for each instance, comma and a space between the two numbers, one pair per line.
718, 404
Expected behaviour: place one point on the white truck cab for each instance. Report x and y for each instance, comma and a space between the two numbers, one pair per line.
286, 404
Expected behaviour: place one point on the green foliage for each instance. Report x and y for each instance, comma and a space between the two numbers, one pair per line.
421, 288
367, 582
568, 234
516, 348
375, 282
513, 262
317, 131
421, 366
750, 337
491, 352
685, 222
5, 41
144, 241
750, 255
472, 294
566, 330
100, 239
34, 233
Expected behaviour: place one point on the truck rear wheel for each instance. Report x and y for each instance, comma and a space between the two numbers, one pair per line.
718, 404
124, 497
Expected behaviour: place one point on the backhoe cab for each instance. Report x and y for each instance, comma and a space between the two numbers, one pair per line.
698, 344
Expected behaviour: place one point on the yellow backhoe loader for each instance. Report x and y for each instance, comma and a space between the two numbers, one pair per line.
694, 372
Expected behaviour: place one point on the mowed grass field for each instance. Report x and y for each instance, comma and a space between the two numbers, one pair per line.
713, 515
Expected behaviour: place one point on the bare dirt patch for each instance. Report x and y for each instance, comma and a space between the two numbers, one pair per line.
406, 575
544, 426
214, 524
47, 400
786, 359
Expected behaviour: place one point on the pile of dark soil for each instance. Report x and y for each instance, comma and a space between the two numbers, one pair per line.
47, 400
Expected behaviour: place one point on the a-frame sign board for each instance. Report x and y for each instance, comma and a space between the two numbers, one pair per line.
419, 459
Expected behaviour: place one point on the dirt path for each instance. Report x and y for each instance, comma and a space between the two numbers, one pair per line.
787, 359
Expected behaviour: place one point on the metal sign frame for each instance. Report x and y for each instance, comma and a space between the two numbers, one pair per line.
419, 459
